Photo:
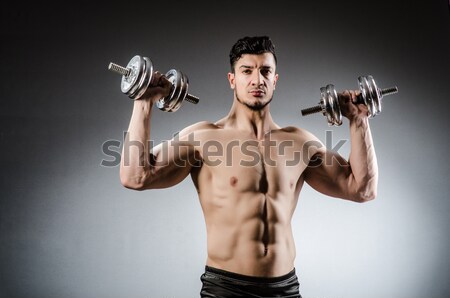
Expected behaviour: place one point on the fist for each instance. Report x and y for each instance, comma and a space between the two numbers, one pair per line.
159, 87
349, 107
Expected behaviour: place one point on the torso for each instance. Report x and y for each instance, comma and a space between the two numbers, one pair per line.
248, 190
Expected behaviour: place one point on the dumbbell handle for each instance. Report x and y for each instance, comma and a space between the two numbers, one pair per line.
126, 71
359, 100
383, 92
192, 98
119, 69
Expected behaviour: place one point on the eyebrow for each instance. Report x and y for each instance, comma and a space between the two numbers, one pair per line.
251, 67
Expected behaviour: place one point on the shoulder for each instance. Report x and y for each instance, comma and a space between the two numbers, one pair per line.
303, 139
197, 128
301, 133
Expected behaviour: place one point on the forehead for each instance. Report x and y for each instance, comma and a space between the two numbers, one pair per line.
256, 60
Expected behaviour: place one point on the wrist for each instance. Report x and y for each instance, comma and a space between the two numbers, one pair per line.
359, 121
144, 106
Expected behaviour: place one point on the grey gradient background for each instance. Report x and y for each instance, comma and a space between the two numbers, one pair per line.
69, 229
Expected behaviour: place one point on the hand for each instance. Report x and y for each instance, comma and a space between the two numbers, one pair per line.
349, 108
158, 88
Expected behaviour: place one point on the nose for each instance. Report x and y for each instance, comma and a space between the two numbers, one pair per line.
257, 79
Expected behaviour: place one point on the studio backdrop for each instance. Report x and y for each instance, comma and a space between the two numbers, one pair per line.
68, 228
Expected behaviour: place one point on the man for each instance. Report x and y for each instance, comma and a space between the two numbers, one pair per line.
248, 172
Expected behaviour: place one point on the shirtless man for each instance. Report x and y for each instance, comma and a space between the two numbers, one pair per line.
248, 172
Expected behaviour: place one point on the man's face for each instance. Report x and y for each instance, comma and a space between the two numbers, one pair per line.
254, 80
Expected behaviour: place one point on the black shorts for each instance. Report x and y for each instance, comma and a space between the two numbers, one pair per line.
219, 283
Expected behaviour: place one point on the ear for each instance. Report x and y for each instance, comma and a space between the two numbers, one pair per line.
275, 79
231, 79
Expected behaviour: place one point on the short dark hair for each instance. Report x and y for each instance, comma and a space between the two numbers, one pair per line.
251, 45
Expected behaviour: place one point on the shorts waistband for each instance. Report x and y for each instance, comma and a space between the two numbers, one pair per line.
249, 277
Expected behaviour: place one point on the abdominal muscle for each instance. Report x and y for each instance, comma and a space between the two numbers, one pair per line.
249, 234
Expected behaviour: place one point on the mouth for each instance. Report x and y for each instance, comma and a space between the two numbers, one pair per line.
257, 92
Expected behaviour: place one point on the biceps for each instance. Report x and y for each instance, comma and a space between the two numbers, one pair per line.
330, 174
169, 165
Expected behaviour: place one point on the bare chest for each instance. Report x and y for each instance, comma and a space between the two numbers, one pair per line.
266, 166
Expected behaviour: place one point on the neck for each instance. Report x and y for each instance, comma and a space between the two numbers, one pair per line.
259, 123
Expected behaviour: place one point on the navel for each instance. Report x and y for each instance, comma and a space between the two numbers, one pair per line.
233, 181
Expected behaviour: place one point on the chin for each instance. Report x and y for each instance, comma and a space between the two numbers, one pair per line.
256, 105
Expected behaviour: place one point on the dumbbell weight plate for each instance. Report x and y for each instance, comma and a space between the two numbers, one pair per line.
366, 94
370, 94
145, 80
135, 88
336, 110
178, 82
163, 103
166, 103
363, 87
183, 91
330, 105
128, 84
376, 95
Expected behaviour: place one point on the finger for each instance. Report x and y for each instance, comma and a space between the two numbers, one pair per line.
157, 74
161, 80
356, 97
155, 79
345, 96
164, 82
352, 95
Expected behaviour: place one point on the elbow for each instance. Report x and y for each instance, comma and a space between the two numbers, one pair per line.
365, 191
365, 196
127, 183
132, 183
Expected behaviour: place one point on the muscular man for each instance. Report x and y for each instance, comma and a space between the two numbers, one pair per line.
248, 172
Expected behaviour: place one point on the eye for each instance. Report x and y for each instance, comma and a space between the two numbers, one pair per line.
247, 71
265, 72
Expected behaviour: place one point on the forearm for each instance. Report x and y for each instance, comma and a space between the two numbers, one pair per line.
134, 164
363, 160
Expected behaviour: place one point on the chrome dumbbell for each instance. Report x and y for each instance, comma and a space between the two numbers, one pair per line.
370, 96
138, 75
